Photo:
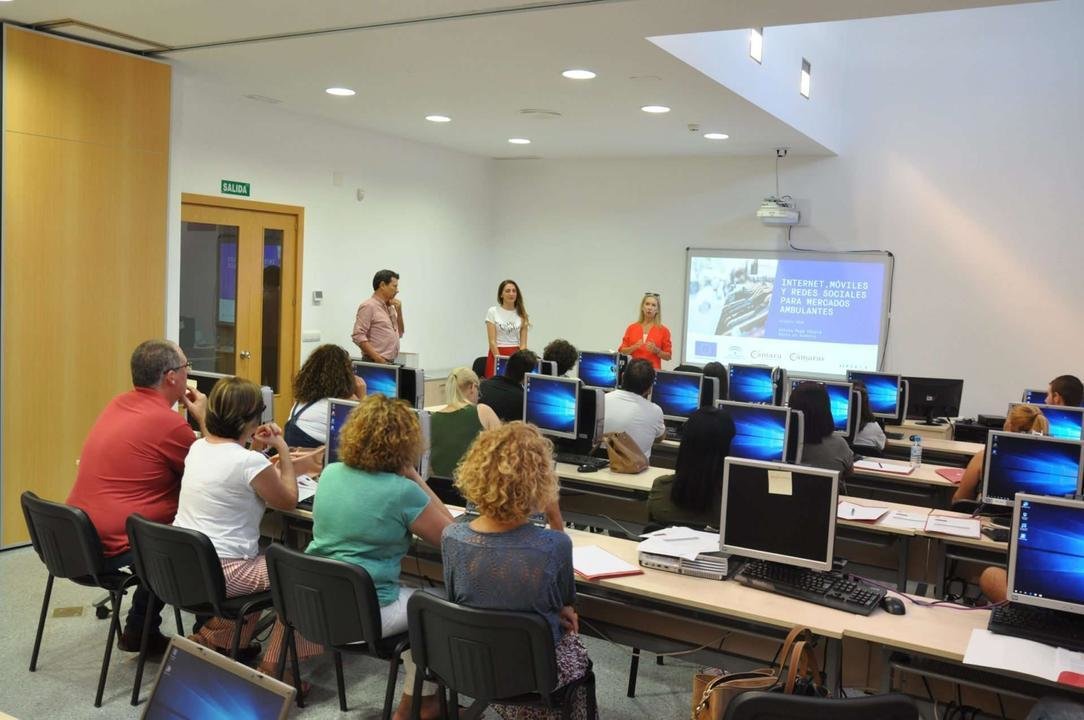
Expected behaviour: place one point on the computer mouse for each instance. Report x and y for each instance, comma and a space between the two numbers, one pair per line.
586, 468
893, 605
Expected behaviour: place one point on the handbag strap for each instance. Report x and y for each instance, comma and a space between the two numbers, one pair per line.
795, 632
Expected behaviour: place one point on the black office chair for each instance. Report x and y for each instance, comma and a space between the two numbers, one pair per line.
333, 603
180, 566
776, 706
479, 366
488, 655
69, 546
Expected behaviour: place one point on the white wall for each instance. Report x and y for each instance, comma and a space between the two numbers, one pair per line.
960, 153
427, 214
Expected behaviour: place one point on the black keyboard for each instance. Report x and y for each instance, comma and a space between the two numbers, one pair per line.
1050, 627
573, 459
894, 435
831, 589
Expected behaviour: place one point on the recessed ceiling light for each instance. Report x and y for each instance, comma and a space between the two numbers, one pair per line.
519, 141
716, 136
342, 92
438, 118
655, 109
579, 74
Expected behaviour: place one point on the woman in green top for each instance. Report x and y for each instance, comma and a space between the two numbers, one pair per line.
693, 494
455, 425
367, 507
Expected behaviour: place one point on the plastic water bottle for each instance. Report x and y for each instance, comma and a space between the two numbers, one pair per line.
916, 450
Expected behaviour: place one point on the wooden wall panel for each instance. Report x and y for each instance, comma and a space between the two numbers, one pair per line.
86, 165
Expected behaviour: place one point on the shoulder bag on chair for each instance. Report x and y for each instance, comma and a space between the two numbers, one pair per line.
797, 673
625, 455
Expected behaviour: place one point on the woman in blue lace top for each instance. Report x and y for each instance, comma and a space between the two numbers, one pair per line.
500, 561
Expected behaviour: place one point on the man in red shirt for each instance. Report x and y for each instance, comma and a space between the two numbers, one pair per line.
132, 462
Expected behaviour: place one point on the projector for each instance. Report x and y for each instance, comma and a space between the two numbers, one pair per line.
778, 211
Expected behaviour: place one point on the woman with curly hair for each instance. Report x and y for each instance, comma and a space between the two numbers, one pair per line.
501, 561
368, 505
326, 374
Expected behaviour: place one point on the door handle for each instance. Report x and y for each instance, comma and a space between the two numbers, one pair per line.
245, 355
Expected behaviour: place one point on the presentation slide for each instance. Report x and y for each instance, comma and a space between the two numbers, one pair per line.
822, 313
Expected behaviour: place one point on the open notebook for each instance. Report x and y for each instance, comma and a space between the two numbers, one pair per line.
197, 682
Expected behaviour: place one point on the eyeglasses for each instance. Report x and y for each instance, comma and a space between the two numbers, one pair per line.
258, 413
187, 365
651, 294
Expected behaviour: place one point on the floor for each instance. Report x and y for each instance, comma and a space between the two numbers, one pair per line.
70, 658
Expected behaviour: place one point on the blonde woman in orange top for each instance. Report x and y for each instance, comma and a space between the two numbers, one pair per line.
648, 338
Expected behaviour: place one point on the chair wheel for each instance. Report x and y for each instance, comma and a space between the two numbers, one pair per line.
101, 612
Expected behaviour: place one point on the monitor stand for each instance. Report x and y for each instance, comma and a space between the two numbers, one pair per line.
930, 420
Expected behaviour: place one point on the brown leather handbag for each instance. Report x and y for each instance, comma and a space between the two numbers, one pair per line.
798, 672
625, 455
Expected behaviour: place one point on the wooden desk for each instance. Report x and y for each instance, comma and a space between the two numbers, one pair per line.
922, 487
932, 432
954, 453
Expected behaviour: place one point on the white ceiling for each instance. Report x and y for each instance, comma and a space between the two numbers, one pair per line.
480, 62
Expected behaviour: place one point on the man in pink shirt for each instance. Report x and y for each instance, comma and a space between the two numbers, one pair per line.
379, 323
132, 462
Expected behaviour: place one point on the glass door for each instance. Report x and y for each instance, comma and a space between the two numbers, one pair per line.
238, 280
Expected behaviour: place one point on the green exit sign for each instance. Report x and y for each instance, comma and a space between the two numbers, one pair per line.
235, 187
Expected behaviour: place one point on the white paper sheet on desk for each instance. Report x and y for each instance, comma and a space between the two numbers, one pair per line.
906, 519
952, 525
306, 487
677, 532
850, 511
1018, 655
683, 543
591, 561
882, 466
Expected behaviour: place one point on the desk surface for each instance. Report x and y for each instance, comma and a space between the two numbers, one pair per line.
924, 474
941, 631
940, 444
606, 478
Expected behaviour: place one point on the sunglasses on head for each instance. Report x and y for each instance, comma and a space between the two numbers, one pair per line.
651, 294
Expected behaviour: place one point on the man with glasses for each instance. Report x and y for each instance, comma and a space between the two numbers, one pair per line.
132, 461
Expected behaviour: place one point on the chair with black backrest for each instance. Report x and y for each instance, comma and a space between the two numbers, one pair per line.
490, 656
180, 566
68, 544
332, 603
479, 366
776, 706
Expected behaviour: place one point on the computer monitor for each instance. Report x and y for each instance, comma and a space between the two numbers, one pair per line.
380, 378
840, 395
590, 422
550, 403
1065, 421
883, 390
599, 369
677, 393
760, 431
337, 412
194, 680
206, 381
1046, 556
930, 398
778, 512
542, 367
751, 384
412, 386
1034, 397
1035, 464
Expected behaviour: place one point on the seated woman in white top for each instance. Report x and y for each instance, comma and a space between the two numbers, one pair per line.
869, 434
224, 491
327, 373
